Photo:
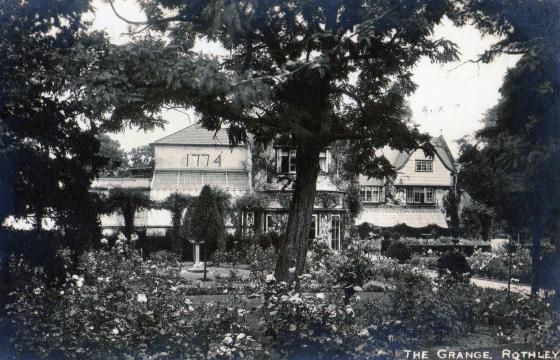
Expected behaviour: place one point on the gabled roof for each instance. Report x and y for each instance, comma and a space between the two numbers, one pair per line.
195, 135
442, 152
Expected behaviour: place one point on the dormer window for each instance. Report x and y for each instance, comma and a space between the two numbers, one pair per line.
424, 165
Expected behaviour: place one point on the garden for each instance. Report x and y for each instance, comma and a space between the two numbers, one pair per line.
114, 302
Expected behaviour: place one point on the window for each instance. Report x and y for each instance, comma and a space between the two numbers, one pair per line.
314, 228
335, 232
420, 195
270, 224
323, 163
424, 165
371, 194
430, 198
287, 161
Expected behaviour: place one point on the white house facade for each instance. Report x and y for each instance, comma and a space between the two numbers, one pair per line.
187, 160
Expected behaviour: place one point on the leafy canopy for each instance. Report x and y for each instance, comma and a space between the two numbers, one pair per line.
311, 72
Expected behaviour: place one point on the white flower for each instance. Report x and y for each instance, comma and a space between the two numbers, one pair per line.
80, 282
141, 298
104, 241
228, 340
133, 237
477, 301
37, 291
364, 332
75, 277
320, 296
293, 327
240, 336
121, 236
61, 292
292, 270
115, 331
270, 278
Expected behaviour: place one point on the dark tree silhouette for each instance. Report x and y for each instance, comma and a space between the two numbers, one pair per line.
205, 224
518, 152
177, 203
127, 202
47, 157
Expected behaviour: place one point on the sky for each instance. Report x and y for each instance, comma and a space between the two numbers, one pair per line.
450, 100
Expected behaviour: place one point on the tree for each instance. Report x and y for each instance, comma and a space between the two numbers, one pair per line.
127, 202
477, 220
142, 157
48, 154
205, 224
311, 73
518, 150
176, 203
117, 162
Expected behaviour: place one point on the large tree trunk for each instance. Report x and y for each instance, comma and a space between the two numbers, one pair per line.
293, 250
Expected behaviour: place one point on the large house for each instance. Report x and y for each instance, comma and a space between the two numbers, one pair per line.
187, 160
416, 196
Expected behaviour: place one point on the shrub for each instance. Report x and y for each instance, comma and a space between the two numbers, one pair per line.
455, 265
496, 265
309, 326
261, 261
400, 251
434, 310
117, 305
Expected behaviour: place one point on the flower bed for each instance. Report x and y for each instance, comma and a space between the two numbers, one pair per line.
496, 265
119, 304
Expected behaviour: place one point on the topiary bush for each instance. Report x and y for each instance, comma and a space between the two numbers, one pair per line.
454, 265
399, 251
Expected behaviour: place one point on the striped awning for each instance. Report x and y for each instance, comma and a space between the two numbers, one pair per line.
413, 217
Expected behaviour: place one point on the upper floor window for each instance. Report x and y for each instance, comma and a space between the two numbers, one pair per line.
323, 163
420, 195
287, 161
370, 194
424, 165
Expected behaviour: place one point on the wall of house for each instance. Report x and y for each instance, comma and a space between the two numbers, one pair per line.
407, 175
200, 157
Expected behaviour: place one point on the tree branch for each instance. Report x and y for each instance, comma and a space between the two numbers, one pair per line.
148, 22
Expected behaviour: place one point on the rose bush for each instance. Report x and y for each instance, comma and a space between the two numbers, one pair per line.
119, 304
496, 265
